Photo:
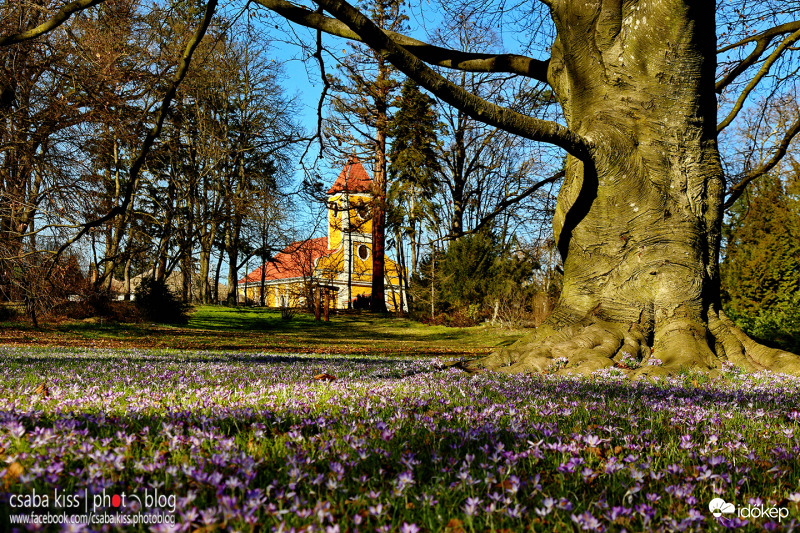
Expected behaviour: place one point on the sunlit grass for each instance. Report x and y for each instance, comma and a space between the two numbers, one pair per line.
257, 329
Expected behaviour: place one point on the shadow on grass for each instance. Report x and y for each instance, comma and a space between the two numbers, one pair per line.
258, 329
135, 356
342, 328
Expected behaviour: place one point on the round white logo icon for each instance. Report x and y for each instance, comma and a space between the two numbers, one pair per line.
717, 506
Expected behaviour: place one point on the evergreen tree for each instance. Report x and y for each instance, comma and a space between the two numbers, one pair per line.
473, 275
414, 130
414, 164
761, 269
468, 269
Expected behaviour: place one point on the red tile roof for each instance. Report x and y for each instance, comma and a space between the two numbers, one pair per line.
296, 260
353, 178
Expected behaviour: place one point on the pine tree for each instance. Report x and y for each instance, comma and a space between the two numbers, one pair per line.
414, 129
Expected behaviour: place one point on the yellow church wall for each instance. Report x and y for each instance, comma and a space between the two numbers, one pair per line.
292, 293
360, 221
392, 272
329, 267
334, 225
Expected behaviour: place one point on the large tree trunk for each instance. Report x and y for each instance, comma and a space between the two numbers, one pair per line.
638, 225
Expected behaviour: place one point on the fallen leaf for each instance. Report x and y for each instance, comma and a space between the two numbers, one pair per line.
506, 484
43, 390
325, 377
13, 473
617, 450
454, 526
594, 450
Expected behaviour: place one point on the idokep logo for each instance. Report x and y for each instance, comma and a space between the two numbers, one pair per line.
752, 511
717, 506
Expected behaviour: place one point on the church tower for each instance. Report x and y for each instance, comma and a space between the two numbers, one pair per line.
349, 218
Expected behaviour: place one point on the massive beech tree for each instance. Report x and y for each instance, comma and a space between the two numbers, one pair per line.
638, 219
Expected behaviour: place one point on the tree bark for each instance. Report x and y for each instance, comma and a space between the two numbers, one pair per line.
232, 248
382, 86
459, 157
638, 223
378, 300
217, 272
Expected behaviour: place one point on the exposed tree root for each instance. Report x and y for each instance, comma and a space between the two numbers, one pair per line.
678, 344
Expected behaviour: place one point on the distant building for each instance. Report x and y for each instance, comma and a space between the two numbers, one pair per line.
338, 266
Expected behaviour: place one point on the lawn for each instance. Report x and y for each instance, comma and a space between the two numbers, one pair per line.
226, 328
220, 440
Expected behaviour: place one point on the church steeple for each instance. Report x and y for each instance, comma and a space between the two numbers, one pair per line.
349, 205
353, 179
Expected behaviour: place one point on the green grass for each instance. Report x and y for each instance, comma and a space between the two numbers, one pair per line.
363, 326
247, 329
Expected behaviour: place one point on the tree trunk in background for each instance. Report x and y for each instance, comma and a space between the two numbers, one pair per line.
402, 273
382, 86
206, 245
459, 183
639, 225
116, 229
232, 245
216, 276
433, 283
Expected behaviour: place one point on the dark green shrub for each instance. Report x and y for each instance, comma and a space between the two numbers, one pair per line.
93, 303
7, 313
157, 303
777, 326
287, 313
479, 279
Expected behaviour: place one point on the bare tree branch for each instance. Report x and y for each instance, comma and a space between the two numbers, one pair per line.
762, 72
478, 108
153, 134
435, 55
765, 36
508, 202
780, 150
762, 41
60, 18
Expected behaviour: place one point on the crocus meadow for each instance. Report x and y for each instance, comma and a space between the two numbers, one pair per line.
270, 442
